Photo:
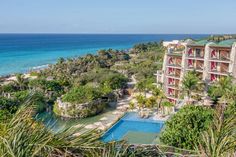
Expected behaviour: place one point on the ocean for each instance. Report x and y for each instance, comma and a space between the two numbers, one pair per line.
20, 53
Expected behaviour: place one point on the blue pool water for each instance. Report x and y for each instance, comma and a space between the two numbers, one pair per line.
131, 122
22, 52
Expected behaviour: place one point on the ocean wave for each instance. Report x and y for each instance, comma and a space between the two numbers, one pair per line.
40, 67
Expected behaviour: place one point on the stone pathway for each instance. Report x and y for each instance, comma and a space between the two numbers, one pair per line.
107, 121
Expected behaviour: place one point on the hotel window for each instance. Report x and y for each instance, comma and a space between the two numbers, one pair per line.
190, 52
198, 52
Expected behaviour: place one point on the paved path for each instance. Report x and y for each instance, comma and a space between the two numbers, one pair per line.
108, 120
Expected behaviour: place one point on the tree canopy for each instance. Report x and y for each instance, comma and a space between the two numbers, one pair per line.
184, 128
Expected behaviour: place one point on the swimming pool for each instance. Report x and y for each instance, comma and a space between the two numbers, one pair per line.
134, 130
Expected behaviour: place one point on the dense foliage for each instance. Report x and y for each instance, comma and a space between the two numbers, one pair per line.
184, 128
220, 138
103, 76
218, 38
22, 136
66, 71
223, 89
87, 78
145, 61
192, 86
82, 94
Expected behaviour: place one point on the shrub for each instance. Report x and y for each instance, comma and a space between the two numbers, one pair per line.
184, 128
82, 94
150, 102
131, 105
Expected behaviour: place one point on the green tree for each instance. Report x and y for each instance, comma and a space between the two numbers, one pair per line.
141, 100
222, 89
150, 102
191, 84
82, 94
219, 140
144, 85
184, 128
116, 81
168, 105
131, 105
159, 94
22, 136
21, 82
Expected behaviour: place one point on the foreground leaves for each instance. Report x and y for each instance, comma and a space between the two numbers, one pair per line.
22, 136
220, 139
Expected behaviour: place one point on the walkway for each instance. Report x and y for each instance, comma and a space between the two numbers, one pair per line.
109, 119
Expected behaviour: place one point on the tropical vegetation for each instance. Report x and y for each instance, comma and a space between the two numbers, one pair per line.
197, 130
184, 128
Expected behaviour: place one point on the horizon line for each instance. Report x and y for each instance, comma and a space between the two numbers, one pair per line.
119, 33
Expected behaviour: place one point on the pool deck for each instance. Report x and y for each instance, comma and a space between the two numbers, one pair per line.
107, 121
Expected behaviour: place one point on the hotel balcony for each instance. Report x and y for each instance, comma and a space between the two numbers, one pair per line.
215, 77
173, 83
219, 68
220, 55
176, 51
196, 53
173, 93
197, 65
174, 62
173, 72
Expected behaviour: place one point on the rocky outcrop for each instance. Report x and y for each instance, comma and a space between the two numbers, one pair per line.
69, 110
83, 110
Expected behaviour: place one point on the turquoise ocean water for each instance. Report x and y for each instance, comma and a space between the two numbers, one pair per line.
23, 52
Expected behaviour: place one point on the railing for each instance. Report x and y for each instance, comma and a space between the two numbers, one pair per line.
199, 56
190, 66
199, 67
174, 74
175, 65
174, 84
223, 57
220, 57
223, 71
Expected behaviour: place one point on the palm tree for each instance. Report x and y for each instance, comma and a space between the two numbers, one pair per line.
144, 85
168, 105
22, 136
141, 101
223, 90
222, 86
220, 139
21, 82
159, 94
191, 84
230, 94
141, 86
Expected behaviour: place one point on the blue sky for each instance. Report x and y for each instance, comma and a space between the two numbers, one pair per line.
118, 16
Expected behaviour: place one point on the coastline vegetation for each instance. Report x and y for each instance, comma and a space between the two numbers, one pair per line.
203, 130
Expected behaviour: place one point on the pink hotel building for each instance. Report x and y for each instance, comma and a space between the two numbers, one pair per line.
211, 60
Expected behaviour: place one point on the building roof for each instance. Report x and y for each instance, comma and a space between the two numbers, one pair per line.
200, 43
229, 42
224, 43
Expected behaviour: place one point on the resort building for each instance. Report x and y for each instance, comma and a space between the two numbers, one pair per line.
211, 60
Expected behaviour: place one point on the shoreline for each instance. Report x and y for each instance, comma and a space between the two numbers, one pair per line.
13, 57
45, 66
12, 77
4, 79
